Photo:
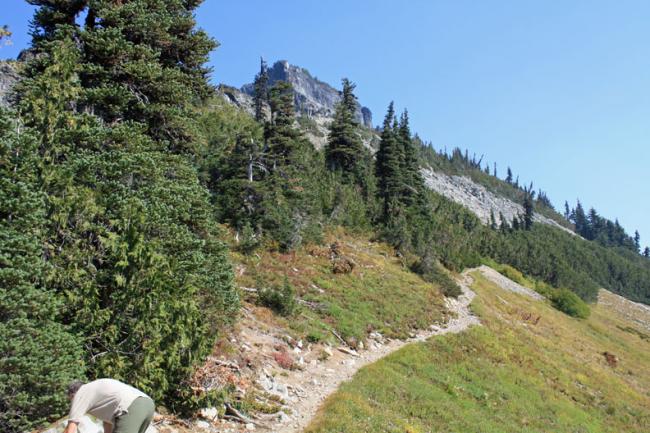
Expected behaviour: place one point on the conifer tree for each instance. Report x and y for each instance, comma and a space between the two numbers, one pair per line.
412, 181
493, 221
509, 176
388, 163
135, 252
38, 355
567, 211
344, 149
261, 91
580, 221
528, 212
646, 252
637, 240
504, 227
290, 209
283, 139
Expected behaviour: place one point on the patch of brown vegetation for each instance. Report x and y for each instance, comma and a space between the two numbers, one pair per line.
612, 360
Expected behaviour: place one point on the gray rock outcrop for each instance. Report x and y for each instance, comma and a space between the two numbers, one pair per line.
478, 198
313, 97
8, 78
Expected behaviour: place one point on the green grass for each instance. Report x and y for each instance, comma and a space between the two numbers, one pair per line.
380, 294
510, 375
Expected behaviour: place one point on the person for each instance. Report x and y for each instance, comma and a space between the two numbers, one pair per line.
122, 408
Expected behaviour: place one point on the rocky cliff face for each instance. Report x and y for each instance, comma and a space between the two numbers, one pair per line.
8, 78
478, 199
315, 103
313, 97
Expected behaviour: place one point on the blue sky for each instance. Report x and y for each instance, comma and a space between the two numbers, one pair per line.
559, 91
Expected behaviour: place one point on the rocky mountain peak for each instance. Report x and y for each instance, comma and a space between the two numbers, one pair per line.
313, 97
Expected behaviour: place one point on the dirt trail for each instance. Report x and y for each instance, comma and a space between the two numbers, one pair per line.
311, 386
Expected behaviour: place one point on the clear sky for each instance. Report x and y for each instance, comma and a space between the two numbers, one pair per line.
557, 90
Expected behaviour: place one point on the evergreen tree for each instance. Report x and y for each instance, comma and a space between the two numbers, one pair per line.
494, 173
344, 150
283, 139
38, 355
388, 163
509, 176
580, 221
567, 211
504, 227
291, 210
493, 221
528, 212
637, 240
646, 252
412, 182
261, 91
135, 252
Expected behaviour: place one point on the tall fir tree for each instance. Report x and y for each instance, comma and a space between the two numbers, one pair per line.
567, 211
412, 181
283, 139
38, 355
637, 241
291, 213
134, 250
344, 151
261, 91
509, 176
528, 212
388, 163
580, 220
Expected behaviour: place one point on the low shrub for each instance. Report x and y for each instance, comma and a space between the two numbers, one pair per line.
284, 360
570, 303
282, 300
433, 272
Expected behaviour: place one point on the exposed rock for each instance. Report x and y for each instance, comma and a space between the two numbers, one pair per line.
8, 79
312, 96
237, 98
507, 284
478, 198
87, 425
209, 413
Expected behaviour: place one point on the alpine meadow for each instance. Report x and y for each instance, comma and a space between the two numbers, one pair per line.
269, 257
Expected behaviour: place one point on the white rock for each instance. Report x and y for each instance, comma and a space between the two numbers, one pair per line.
209, 413
250, 426
202, 424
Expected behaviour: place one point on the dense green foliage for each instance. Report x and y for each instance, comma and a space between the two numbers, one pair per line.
38, 355
569, 303
282, 299
132, 244
596, 228
344, 149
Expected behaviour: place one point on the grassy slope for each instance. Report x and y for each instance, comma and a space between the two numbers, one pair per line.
508, 376
380, 294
